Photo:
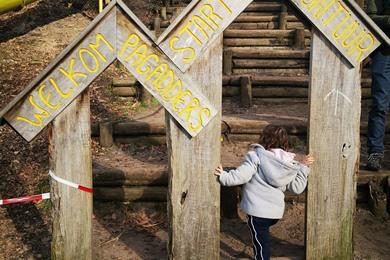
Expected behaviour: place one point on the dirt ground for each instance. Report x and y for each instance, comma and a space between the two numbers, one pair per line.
29, 40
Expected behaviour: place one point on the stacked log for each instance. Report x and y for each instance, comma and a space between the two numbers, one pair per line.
142, 184
125, 87
233, 130
270, 38
150, 184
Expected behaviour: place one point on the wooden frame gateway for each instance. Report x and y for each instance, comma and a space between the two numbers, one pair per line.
183, 70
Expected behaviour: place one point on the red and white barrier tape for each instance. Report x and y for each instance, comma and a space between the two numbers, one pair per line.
45, 196
33, 198
69, 183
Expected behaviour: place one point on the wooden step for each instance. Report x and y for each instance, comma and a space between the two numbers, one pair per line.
263, 7
268, 18
151, 185
268, 52
266, 25
238, 42
240, 33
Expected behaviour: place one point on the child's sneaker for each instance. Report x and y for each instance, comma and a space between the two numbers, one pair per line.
374, 161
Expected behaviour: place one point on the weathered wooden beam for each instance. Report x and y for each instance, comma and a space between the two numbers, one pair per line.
266, 91
270, 63
335, 142
246, 91
106, 136
227, 62
269, 52
265, 80
265, 25
257, 19
329, 18
299, 39
194, 197
116, 83
157, 25
135, 193
163, 13
67, 76
229, 202
125, 91
192, 102
237, 42
70, 159
283, 17
263, 7
184, 48
234, 33
111, 177
377, 198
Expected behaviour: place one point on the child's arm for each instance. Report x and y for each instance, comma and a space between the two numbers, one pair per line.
242, 174
298, 185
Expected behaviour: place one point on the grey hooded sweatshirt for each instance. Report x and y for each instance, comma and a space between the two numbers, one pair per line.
265, 179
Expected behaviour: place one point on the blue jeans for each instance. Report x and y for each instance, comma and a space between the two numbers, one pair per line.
259, 228
380, 92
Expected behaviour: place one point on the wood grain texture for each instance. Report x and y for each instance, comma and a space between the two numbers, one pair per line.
71, 159
54, 63
66, 79
334, 142
194, 193
198, 29
350, 34
176, 91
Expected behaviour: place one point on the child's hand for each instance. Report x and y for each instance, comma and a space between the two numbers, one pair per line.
218, 170
308, 160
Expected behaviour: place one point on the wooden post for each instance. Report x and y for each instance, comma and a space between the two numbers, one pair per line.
163, 13
106, 138
229, 201
360, 3
194, 193
377, 198
228, 61
246, 91
334, 141
299, 42
283, 17
157, 25
70, 159
146, 97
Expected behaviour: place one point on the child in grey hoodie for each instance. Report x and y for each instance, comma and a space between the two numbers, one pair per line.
267, 172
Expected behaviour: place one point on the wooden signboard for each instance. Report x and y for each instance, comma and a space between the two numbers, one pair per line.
174, 90
199, 25
341, 26
116, 33
73, 71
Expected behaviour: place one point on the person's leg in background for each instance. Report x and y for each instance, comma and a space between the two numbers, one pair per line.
259, 228
380, 92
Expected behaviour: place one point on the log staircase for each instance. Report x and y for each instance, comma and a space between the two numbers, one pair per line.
266, 56
267, 47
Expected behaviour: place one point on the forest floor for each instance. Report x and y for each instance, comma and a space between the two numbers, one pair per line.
29, 40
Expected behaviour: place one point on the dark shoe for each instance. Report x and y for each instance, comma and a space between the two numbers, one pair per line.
374, 161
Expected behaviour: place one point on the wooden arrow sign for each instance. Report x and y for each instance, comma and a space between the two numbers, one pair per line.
177, 92
116, 33
341, 26
193, 32
65, 78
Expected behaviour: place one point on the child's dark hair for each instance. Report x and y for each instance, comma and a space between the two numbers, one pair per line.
274, 137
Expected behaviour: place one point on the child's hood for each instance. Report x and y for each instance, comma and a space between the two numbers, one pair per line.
276, 171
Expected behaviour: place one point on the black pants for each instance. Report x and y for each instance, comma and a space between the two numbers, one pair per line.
259, 228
